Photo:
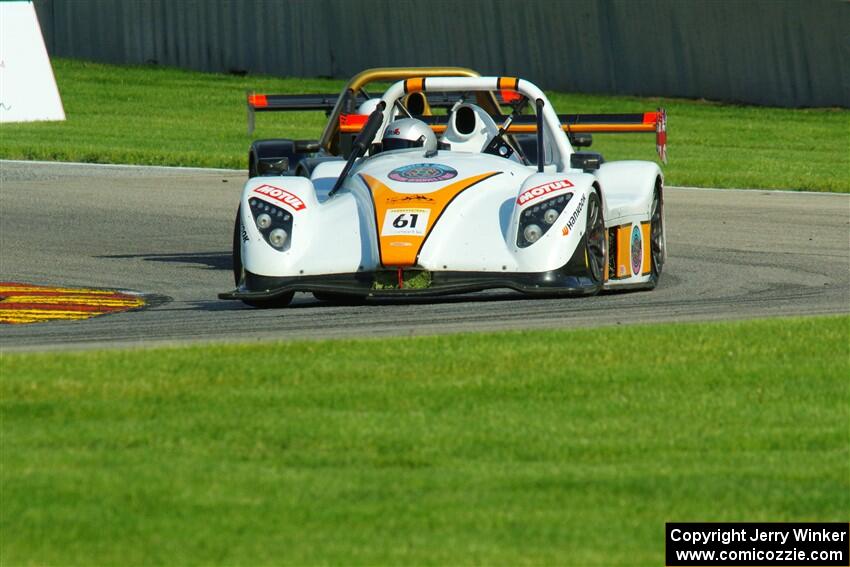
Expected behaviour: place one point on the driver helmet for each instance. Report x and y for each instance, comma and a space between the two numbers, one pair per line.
409, 133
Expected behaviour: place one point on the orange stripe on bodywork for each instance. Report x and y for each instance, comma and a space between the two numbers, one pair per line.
508, 83
647, 249
414, 85
624, 251
401, 251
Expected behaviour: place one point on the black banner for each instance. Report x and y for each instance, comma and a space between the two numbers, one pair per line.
763, 544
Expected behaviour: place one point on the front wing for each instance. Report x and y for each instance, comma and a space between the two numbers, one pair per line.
569, 280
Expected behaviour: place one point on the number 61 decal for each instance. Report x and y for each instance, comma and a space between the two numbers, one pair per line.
408, 222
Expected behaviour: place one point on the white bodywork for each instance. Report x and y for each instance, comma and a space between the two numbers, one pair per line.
477, 230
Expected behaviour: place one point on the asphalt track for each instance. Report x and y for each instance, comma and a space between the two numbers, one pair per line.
166, 232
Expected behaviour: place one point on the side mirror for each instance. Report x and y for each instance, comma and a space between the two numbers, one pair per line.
586, 161
581, 140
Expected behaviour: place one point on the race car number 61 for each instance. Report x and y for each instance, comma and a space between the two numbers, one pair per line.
408, 222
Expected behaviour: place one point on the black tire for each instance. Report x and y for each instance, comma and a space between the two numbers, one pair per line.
594, 240
656, 235
239, 271
588, 259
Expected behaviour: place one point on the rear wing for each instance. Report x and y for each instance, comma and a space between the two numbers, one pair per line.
571, 124
258, 102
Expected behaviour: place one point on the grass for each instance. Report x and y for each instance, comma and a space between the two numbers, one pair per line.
561, 447
411, 279
153, 115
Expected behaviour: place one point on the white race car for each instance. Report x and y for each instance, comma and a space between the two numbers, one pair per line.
459, 202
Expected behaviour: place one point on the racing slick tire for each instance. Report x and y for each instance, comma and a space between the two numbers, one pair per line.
239, 271
590, 256
656, 235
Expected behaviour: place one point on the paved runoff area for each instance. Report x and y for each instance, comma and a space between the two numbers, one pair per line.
165, 233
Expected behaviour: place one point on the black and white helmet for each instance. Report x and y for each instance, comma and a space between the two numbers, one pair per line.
409, 133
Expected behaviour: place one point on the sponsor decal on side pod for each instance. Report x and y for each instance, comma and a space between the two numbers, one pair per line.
571, 222
637, 249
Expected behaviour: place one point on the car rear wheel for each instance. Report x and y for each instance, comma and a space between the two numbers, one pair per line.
656, 235
239, 271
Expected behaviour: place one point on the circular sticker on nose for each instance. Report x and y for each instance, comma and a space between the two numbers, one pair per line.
423, 173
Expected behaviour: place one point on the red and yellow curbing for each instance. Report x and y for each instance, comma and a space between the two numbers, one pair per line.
26, 303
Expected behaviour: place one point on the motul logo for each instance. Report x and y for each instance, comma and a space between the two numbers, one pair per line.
281, 196
541, 190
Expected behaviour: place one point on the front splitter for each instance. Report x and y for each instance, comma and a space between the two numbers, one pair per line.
362, 284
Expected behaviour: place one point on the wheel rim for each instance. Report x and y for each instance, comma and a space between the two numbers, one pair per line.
595, 238
656, 236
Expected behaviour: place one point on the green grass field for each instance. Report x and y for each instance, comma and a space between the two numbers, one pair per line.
152, 115
556, 447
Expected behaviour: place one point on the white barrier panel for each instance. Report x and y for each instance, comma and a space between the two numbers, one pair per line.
27, 87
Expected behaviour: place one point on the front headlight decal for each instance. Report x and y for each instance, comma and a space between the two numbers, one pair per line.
274, 223
536, 221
